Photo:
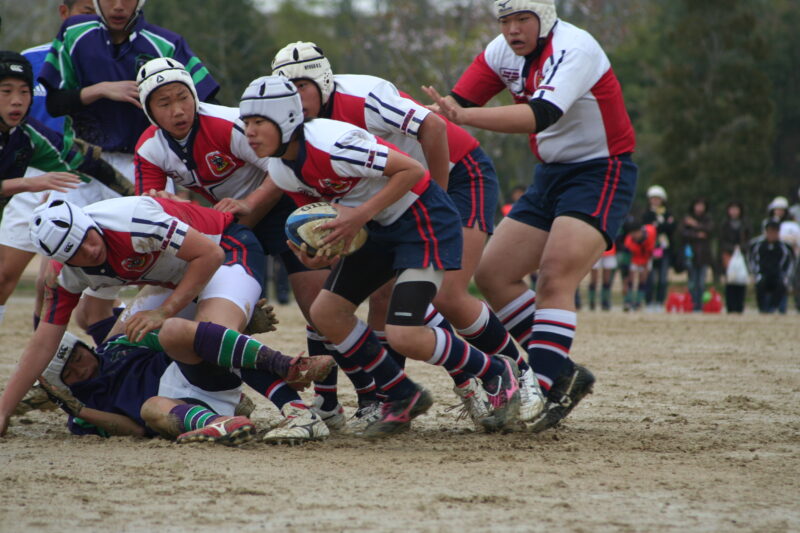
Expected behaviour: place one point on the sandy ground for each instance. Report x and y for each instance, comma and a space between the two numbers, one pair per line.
694, 426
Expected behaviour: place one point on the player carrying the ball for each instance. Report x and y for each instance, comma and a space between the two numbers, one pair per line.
414, 234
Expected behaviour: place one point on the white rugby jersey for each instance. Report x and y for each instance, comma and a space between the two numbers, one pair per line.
574, 74
379, 107
339, 162
216, 161
142, 236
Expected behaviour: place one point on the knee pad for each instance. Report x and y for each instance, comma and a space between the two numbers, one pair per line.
414, 289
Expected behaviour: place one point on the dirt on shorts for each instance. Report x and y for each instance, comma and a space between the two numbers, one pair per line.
694, 425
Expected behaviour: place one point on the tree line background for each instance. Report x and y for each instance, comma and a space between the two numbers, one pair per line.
712, 86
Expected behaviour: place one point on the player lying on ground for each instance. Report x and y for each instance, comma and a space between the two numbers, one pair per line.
414, 234
123, 389
456, 162
570, 103
63, 165
139, 241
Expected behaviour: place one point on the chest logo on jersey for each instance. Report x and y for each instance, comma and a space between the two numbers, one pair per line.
137, 263
336, 186
220, 164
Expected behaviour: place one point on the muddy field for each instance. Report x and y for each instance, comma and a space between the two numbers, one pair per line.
694, 426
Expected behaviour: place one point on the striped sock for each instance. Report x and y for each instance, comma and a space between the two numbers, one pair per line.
193, 416
517, 316
230, 349
455, 354
271, 386
362, 348
489, 336
548, 351
435, 319
327, 389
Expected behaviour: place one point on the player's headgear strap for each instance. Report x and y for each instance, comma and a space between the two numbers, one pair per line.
54, 373
159, 72
305, 60
131, 22
545, 10
58, 228
276, 99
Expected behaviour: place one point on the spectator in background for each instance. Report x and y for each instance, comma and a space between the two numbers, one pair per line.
789, 233
771, 262
641, 241
733, 232
659, 216
794, 211
696, 231
624, 258
604, 268
516, 194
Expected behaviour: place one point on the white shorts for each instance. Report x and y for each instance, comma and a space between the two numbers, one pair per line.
642, 268
173, 384
230, 282
606, 262
14, 230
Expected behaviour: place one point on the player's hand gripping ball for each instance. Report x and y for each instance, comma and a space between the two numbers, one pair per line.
302, 228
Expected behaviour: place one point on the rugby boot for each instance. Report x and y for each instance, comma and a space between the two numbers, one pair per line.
305, 370
365, 415
531, 399
503, 394
334, 419
474, 402
300, 424
227, 430
396, 416
567, 390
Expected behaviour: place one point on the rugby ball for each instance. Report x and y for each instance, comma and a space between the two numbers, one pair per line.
302, 224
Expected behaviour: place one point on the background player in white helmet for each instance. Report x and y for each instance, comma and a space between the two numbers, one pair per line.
411, 234
456, 162
569, 101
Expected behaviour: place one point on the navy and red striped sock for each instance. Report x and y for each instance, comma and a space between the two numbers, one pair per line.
553, 331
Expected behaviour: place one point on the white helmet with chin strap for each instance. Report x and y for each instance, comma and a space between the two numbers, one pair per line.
58, 228
159, 72
54, 373
545, 10
305, 60
276, 99
131, 22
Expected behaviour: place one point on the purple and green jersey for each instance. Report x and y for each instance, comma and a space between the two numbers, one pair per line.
83, 55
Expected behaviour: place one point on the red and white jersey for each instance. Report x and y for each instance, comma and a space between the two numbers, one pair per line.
574, 74
142, 236
380, 108
215, 160
339, 162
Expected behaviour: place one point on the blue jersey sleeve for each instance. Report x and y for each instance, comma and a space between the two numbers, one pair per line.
207, 86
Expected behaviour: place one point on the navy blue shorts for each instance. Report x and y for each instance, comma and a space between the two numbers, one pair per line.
271, 233
598, 191
427, 234
242, 248
474, 188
